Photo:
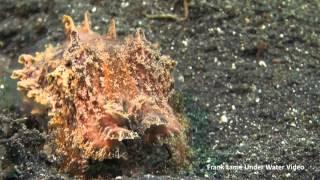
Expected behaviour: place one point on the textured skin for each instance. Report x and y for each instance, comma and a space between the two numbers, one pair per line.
101, 91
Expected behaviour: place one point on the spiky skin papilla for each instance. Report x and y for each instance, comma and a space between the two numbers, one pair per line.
105, 96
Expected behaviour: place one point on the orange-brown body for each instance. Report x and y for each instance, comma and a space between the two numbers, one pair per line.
102, 91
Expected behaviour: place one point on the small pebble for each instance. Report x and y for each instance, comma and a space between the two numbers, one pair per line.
293, 124
233, 66
181, 78
185, 42
223, 119
262, 63
94, 9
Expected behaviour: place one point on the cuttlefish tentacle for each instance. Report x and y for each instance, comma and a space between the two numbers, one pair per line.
112, 32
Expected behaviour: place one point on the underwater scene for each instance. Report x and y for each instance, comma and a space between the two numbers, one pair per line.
159, 89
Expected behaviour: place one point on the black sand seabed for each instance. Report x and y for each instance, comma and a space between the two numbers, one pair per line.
248, 72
